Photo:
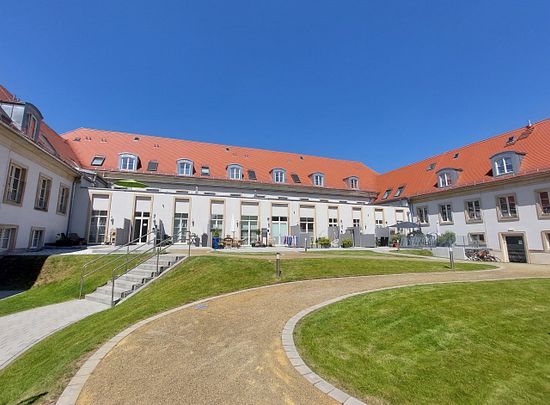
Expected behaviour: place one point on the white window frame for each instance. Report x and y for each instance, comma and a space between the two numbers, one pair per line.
387, 193
543, 210
279, 176
318, 179
353, 183
185, 167
444, 179
97, 161
43, 191
447, 211
423, 219
40, 241
15, 185
474, 219
511, 211
504, 165
234, 172
399, 191
124, 160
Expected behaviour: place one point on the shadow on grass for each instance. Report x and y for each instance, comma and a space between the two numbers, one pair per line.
20, 272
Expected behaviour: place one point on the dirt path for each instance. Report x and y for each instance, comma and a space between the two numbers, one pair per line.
229, 350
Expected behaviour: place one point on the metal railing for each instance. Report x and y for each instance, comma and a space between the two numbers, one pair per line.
84, 273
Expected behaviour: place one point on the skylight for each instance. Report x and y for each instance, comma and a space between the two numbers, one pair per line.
205, 171
152, 166
252, 175
295, 178
387, 194
98, 160
431, 167
399, 191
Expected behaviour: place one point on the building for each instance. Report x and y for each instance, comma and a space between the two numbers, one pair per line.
493, 193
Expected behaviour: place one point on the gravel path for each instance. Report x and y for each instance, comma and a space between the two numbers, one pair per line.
22, 330
229, 350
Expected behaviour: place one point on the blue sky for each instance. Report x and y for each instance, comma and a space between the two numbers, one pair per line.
385, 82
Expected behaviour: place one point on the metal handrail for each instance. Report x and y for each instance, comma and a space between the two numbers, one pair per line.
158, 246
84, 274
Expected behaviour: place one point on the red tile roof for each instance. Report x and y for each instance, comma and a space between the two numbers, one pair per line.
166, 151
5, 95
474, 161
60, 145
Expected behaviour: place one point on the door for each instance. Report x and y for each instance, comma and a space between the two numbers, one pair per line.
279, 229
98, 226
249, 229
180, 227
516, 249
141, 226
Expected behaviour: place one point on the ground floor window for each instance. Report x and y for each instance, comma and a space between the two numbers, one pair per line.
333, 222
306, 224
422, 214
356, 222
7, 237
279, 229
98, 226
216, 223
181, 221
477, 239
546, 240
37, 238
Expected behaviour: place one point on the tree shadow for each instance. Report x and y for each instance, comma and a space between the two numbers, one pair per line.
20, 272
33, 399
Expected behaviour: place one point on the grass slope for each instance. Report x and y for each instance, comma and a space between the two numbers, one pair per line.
48, 280
43, 371
458, 343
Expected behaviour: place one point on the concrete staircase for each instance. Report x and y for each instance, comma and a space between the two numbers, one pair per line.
134, 279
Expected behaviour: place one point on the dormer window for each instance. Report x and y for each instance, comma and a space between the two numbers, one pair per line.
234, 172
353, 183
447, 177
98, 161
185, 167
386, 193
506, 162
279, 176
128, 162
318, 179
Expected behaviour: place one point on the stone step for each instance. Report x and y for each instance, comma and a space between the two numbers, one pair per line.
103, 299
128, 285
134, 278
142, 273
107, 290
153, 267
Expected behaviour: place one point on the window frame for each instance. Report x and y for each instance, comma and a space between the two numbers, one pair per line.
353, 182
399, 191
281, 173
40, 241
22, 182
504, 160
546, 240
49, 182
184, 167
444, 179
470, 220
233, 167
318, 179
470, 239
507, 218
12, 238
102, 158
539, 204
423, 208
59, 196
124, 155
449, 213
387, 193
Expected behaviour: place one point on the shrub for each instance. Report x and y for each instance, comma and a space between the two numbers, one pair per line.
447, 239
347, 243
324, 242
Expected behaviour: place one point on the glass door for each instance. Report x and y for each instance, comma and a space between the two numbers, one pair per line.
180, 227
279, 229
249, 229
98, 226
141, 226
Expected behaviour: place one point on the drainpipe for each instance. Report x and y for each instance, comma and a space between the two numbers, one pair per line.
71, 207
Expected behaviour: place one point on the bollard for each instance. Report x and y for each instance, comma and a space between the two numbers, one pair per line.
451, 257
278, 265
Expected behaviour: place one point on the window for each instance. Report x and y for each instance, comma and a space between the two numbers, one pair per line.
431, 166
279, 176
32, 125
216, 223
128, 162
379, 217
422, 215
507, 207
318, 179
544, 203
353, 183
306, 225
152, 166
7, 237
446, 213
63, 199
98, 226
98, 160
15, 186
252, 175
295, 178
546, 240
456, 155
503, 165
205, 171
473, 211
235, 172
356, 223
399, 191
445, 179
333, 222
37, 238
386, 194
43, 193
477, 239
185, 168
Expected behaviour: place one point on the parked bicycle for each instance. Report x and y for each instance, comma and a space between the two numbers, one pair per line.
482, 255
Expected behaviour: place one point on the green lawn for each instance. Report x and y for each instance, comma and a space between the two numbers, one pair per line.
459, 343
418, 252
346, 252
49, 280
45, 369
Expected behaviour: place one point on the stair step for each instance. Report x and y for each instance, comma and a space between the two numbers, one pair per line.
152, 266
142, 272
103, 299
128, 285
133, 278
107, 290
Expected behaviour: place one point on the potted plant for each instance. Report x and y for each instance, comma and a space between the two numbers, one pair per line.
216, 239
323, 242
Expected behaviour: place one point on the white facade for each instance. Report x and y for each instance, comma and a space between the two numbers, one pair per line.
528, 221
31, 215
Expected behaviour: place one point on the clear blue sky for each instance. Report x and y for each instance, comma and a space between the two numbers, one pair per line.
385, 82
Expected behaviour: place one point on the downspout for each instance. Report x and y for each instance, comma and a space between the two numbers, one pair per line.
71, 205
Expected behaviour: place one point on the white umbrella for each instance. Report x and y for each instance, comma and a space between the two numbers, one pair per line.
232, 226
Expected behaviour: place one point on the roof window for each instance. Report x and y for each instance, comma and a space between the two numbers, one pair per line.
205, 171
399, 191
318, 179
353, 182
456, 155
431, 166
386, 193
279, 176
295, 178
234, 172
252, 175
152, 166
98, 160
128, 162
185, 167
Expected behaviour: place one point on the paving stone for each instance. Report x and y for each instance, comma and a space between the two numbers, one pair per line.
324, 386
339, 395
